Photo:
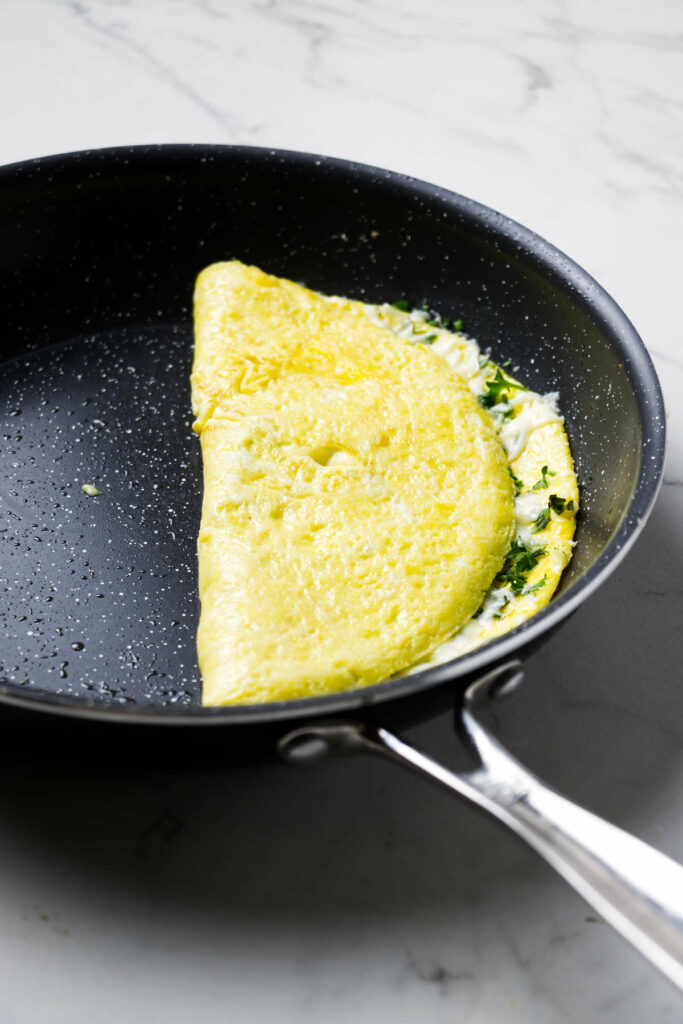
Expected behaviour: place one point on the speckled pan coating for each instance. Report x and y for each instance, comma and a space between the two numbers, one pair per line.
100, 251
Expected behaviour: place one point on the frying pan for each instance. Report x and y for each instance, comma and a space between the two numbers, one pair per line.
99, 254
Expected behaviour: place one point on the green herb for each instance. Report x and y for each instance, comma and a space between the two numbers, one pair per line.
543, 482
483, 361
442, 323
402, 305
560, 505
90, 490
516, 481
536, 586
555, 504
541, 520
497, 389
508, 362
519, 562
430, 338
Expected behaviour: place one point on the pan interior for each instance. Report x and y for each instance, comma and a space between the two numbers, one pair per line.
102, 589
100, 251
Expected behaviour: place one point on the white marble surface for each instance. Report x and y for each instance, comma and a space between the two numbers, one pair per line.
351, 892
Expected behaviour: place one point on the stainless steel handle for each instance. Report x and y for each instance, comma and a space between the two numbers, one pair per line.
638, 890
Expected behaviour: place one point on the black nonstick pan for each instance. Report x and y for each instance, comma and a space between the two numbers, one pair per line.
98, 258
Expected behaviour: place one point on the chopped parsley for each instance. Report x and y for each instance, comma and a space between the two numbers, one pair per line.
402, 305
560, 505
506, 363
536, 586
497, 390
443, 322
430, 338
516, 481
519, 562
541, 520
555, 504
543, 482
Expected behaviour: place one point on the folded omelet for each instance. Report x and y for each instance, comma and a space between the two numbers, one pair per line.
540, 464
358, 504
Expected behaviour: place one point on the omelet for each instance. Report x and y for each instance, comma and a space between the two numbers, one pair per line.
540, 464
358, 505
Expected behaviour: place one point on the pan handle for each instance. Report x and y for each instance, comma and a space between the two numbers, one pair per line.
635, 888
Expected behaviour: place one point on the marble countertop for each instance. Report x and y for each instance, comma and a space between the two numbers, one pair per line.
352, 892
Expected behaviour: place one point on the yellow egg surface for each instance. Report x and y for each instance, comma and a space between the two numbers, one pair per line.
540, 463
357, 499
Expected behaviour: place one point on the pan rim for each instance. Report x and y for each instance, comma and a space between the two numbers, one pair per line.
554, 265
